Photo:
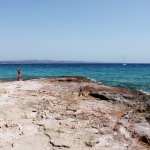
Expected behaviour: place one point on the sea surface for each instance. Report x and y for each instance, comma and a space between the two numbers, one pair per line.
131, 76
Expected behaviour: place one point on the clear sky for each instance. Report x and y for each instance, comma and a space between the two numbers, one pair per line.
82, 30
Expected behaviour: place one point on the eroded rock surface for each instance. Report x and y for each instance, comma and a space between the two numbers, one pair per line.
72, 113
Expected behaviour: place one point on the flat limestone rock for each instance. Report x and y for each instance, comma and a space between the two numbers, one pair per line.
72, 113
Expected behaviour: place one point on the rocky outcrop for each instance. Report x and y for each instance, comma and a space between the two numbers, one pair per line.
72, 113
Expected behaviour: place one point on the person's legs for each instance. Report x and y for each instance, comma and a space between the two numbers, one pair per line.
19, 77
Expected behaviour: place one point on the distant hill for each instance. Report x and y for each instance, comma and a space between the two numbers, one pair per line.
34, 61
39, 62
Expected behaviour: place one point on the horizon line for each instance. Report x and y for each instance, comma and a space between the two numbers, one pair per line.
46, 61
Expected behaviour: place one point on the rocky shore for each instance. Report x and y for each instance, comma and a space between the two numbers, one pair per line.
72, 113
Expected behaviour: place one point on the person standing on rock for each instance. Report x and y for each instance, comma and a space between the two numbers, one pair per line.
19, 74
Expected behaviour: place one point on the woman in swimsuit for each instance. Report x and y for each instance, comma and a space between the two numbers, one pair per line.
19, 74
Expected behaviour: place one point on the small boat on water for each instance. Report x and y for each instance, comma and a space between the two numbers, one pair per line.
124, 64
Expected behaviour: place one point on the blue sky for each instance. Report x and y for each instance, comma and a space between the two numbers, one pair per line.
87, 30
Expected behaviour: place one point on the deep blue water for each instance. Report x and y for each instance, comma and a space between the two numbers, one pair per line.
131, 76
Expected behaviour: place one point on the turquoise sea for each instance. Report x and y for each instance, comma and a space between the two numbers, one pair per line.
131, 76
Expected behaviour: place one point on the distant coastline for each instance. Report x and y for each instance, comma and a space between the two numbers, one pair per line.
34, 61
42, 62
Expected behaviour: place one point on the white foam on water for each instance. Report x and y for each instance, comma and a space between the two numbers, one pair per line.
147, 93
92, 79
